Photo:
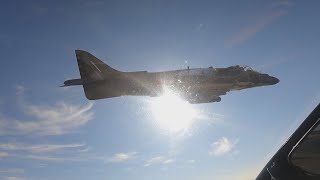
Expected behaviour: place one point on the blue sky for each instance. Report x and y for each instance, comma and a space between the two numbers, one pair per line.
48, 132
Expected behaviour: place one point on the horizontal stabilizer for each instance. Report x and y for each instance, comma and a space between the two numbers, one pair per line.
73, 82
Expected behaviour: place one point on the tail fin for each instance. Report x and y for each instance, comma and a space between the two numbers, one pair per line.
91, 68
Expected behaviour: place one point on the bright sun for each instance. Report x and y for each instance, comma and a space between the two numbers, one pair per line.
173, 113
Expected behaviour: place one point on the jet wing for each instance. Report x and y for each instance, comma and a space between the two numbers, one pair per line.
204, 96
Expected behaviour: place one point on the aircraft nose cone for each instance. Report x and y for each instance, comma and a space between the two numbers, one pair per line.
274, 80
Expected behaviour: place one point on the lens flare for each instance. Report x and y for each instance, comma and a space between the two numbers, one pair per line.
172, 113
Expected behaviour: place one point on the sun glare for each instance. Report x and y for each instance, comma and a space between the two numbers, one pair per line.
173, 113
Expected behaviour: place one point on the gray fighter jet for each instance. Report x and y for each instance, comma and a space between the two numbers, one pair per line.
199, 85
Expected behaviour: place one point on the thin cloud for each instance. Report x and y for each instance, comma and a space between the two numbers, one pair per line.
3, 154
158, 160
200, 27
191, 161
210, 118
12, 171
87, 149
39, 148
54, 157
222, 147
250, 31
15, 178
122, 157
57, 119
278, 9
48, 158
19, 89
168, 161
47, 120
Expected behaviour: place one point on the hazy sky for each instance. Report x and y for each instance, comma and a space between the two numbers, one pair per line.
48, 132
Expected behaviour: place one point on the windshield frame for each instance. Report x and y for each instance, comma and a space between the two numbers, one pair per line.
299, 143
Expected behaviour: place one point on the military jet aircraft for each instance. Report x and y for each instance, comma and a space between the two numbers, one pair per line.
199, 85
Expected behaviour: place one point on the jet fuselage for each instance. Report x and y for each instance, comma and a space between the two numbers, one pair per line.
200, 85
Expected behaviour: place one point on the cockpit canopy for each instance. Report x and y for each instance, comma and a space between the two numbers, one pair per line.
242, 68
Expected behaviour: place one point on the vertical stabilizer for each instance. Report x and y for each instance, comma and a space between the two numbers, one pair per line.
92, 68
